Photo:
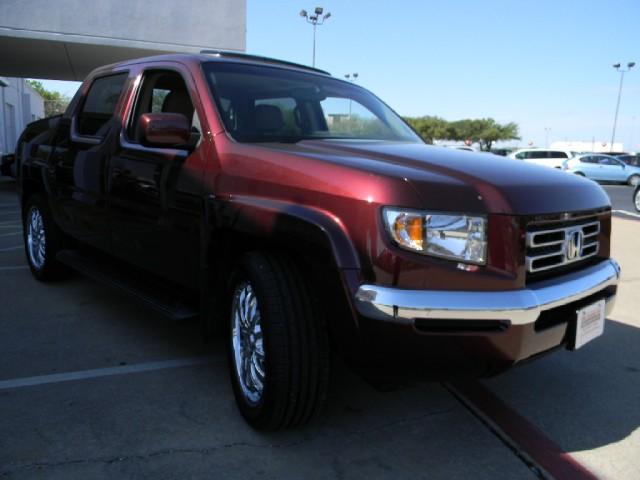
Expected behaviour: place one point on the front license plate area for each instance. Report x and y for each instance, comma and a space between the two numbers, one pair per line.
589, 323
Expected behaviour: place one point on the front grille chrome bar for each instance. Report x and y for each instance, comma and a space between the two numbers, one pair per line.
556, 247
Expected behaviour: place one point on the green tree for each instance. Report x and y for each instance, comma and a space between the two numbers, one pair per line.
54, 102
429, 128
484, 131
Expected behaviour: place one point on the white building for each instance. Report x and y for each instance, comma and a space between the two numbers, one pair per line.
19, 105
593, 146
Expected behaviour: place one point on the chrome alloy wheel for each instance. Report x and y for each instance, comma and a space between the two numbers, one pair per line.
247, 342
637, 200
36, 240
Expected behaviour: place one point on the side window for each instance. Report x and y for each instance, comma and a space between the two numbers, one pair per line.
100, 105
608, 161
558, 155
521, 155
538, 154
161, 91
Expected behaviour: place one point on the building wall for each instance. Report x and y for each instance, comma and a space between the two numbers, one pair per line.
19, 105
66, 39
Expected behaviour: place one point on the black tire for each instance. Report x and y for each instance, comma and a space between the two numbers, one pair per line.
633, 180
55, 240
294, 339
636, 198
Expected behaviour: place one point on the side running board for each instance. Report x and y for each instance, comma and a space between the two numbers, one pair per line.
136, 284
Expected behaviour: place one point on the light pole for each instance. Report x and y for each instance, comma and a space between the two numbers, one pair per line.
317, 18
349, 77
546, 136
622, 71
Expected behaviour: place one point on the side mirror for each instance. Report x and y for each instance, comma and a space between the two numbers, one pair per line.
164, 130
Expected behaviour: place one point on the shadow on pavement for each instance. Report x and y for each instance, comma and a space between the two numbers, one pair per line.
582, 400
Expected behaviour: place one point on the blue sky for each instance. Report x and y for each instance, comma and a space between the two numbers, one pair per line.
541, 64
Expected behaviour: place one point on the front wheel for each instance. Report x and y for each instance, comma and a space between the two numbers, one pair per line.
634, 180
636, 198
278, 344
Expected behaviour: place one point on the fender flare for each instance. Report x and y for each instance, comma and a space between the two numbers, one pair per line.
273, 218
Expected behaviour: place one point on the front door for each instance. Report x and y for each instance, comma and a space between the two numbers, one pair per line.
156, 193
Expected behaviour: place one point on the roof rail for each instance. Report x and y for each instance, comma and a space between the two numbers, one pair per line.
226, 53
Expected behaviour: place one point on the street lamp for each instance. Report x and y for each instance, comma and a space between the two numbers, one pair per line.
317, 18
622, 71
349, 77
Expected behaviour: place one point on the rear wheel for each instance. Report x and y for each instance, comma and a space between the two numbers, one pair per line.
636, 198
42, 240
279, 353
634, 180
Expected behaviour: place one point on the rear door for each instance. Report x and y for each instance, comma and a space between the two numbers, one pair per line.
83, 143
556, 158
155, 194
538, 157
610, 169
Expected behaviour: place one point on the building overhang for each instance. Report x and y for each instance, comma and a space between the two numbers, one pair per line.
71, 57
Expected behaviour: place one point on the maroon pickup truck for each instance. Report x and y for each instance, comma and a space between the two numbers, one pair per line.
298, 214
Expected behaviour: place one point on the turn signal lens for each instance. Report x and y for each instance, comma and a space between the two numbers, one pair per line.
407, 228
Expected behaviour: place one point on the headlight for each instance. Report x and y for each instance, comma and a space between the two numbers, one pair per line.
453, 236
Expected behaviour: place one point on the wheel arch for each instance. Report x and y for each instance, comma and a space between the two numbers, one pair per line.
312, 236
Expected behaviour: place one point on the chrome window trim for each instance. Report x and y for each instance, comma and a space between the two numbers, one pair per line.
175, 152
88, 139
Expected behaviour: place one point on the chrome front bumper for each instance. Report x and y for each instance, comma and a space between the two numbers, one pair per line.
520, 307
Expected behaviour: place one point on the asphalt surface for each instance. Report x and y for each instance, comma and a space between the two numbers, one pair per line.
94, 385
621, 197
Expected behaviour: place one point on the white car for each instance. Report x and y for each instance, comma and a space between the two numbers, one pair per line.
543, 156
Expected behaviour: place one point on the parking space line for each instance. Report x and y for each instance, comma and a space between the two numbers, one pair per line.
107, 371
9, 249
10, 234
527, 441
625, 212
13, 267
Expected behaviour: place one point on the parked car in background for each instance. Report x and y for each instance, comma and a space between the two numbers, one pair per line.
629, 159
603, 168
503, 152
543, 156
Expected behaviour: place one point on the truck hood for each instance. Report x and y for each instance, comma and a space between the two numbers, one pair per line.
455, 180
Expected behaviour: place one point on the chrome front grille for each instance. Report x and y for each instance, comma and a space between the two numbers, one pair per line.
551, 246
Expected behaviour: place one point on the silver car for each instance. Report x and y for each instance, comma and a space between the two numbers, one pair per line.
603, 168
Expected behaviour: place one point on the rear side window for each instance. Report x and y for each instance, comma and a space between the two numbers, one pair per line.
100, 105
558, 155
521, 155
538, 154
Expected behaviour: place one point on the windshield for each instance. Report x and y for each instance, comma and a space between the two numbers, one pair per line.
268, 104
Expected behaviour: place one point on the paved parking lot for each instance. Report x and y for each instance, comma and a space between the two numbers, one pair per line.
93, 385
